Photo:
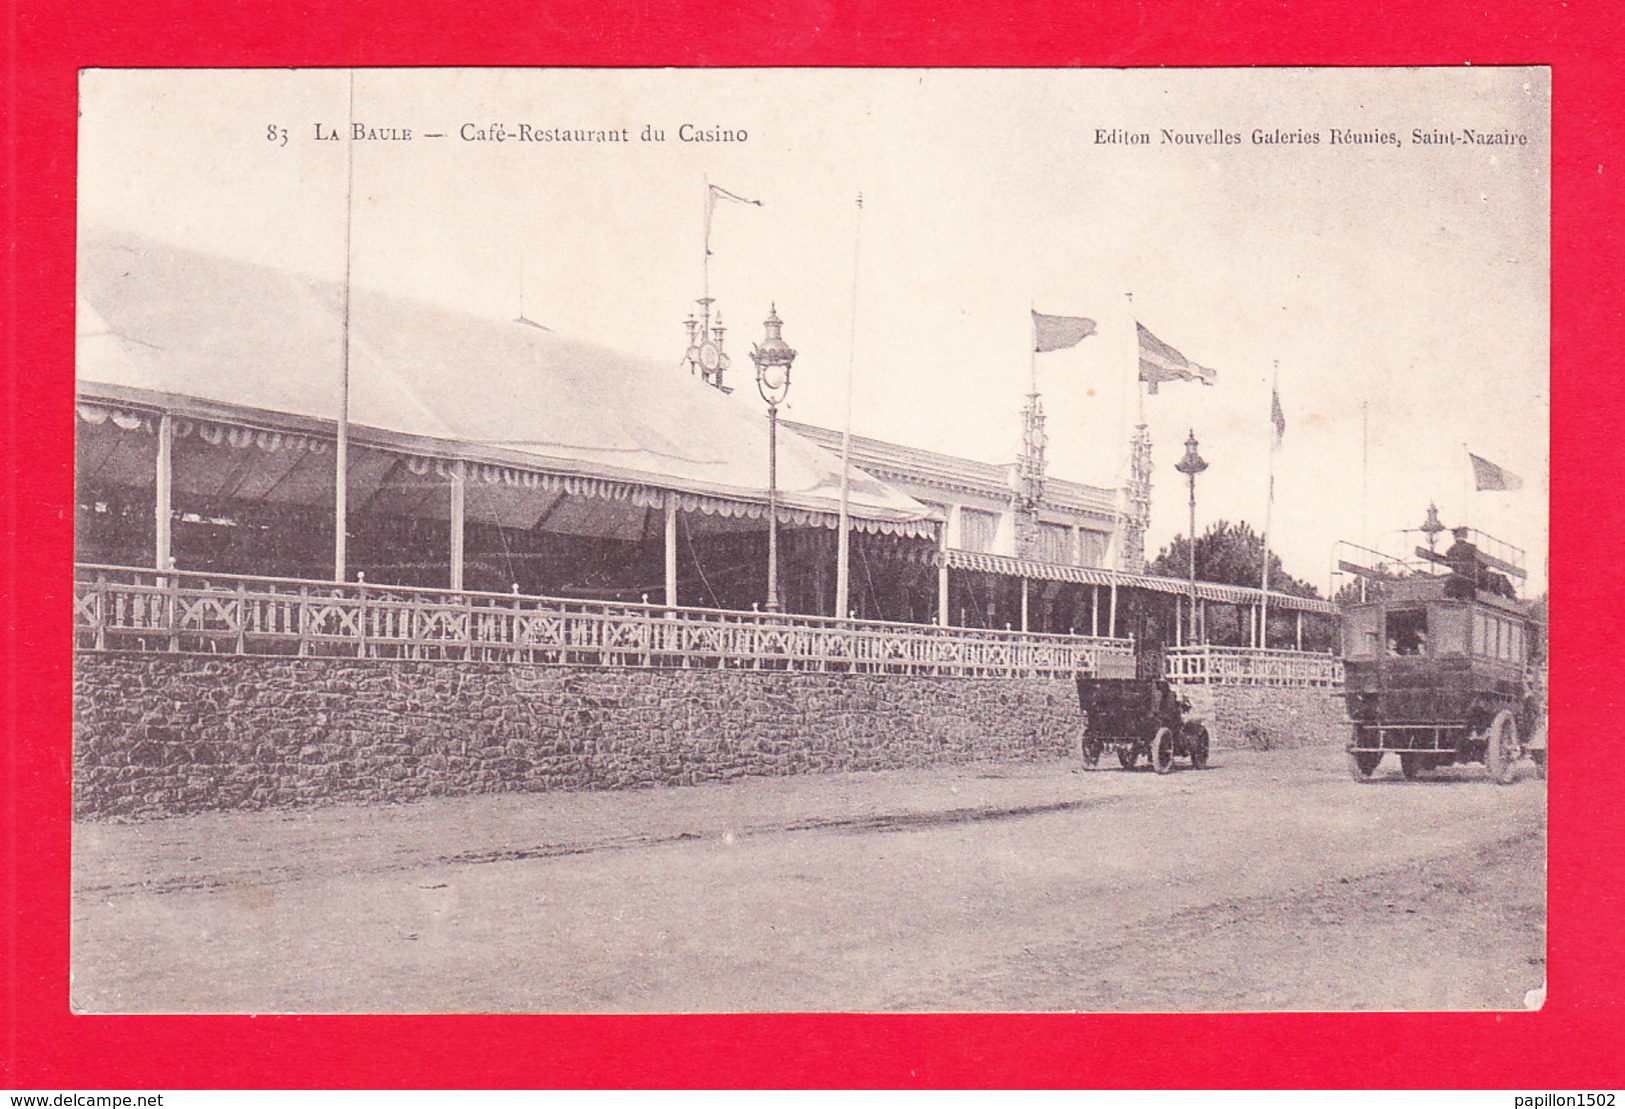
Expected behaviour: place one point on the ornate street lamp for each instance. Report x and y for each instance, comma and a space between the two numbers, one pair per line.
1432, 526
773, 358
1191, 465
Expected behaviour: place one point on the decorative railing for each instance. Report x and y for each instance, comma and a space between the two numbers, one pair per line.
1207, 665
123, 608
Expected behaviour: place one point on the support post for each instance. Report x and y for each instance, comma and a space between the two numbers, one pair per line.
163, 485
1024, 625
459, 494
942, 588
1094, 611
1299, 621
1192, 477
772, 508
1112, 620
671, 551
843, 562
341, 444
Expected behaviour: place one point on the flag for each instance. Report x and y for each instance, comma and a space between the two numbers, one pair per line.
1160, 362
1277, 417
711, 194
1060, 332
1487, 476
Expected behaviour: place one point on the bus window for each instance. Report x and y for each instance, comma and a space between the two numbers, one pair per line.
1448, 627
1407, 632
1481, 632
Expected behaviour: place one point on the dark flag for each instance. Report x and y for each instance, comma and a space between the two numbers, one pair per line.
1060, 332
1487, 476
1160, 362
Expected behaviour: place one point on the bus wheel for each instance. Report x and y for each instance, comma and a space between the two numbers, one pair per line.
1411, 765
1363, 764
1501, 751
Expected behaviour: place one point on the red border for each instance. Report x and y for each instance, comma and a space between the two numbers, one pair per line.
1571, 1044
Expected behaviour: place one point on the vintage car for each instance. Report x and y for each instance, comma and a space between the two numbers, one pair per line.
1436, 665
1139, 718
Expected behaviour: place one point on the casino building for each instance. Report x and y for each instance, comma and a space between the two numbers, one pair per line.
496, 468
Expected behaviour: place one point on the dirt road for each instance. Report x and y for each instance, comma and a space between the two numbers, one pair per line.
1269, 881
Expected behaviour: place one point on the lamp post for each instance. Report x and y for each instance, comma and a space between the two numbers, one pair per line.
1432, 526
773, 358
1191, 465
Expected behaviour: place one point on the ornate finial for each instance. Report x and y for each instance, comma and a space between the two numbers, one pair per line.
773, 357
1192, 463
705, 357
1432, 526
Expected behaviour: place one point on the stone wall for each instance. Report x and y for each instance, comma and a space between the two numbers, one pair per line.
166, 734
1265, 718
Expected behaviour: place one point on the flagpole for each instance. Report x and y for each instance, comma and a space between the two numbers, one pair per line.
1466, 487
341, 451
843, 541
1032, 347
1269, 506
1139, 447
1365, 471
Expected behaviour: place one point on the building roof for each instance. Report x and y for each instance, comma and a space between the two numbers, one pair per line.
1094, 575
219, 338
916, 466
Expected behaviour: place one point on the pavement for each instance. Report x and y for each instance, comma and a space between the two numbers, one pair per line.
1269, 881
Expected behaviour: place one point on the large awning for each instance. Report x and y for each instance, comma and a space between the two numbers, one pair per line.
234, 345
1095, 575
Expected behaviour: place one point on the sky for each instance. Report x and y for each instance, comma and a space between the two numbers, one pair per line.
1396, 293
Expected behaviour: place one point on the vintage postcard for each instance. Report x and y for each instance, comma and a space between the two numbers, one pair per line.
762, 541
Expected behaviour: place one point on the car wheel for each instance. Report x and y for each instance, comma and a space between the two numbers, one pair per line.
1091, 751
1162, 751
1197, 740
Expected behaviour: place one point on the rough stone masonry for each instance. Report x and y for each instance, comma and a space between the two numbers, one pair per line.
159, 735
166, 734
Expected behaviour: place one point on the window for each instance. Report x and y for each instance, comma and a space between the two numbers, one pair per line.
1054, 544
1448, 627
1092, 547
1360, 633
1407, 632
977, 529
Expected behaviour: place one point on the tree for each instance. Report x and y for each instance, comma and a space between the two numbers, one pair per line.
1228, 554
1370, 586
1233, 554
